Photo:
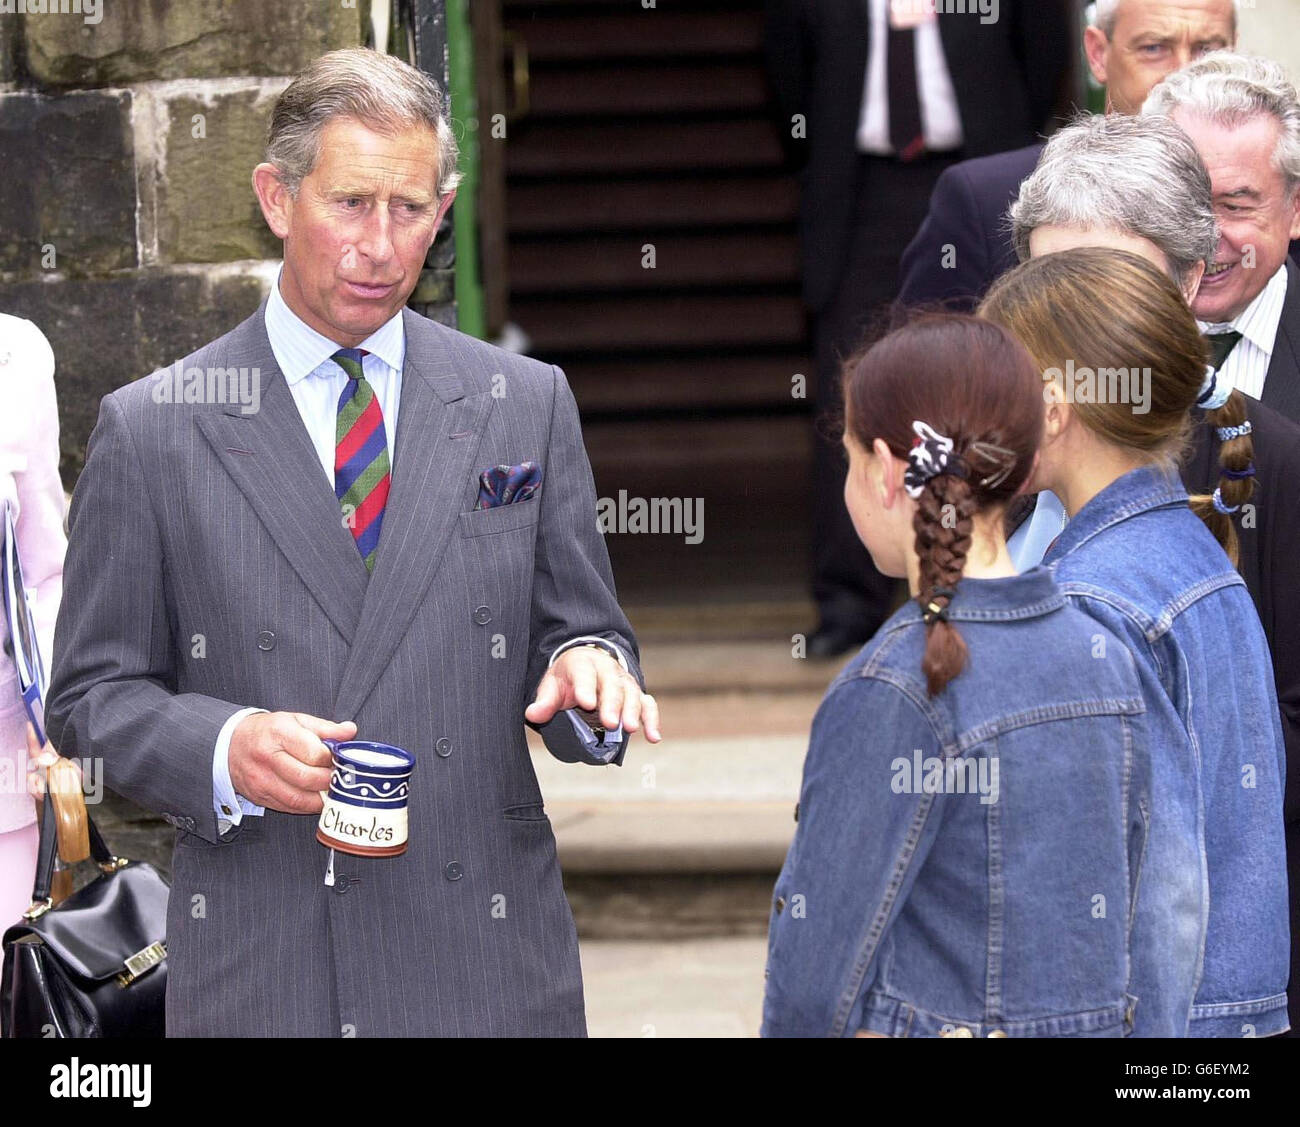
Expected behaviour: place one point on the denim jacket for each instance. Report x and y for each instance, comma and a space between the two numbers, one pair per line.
1136, 559
969, 864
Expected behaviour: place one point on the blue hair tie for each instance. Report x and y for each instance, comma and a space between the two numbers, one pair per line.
1213, 395
1237, 475
1226, 434
1221, 507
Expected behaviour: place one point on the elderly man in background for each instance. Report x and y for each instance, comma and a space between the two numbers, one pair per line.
964, 243
1243, 115
1095, 186
400, 544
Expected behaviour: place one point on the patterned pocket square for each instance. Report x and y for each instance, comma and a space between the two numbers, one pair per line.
507, 485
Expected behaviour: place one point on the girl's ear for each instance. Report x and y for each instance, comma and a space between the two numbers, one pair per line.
1057, 414
889, 471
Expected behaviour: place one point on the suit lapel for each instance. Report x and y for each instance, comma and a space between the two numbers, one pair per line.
1282, 385
270, 457
438, 432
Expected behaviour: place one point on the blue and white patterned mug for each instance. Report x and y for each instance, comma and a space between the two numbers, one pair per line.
365, 807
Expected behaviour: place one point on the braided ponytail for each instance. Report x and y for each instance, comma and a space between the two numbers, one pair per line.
1236, 476
943, 525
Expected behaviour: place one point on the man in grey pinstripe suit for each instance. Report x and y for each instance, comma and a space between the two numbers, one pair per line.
225, 610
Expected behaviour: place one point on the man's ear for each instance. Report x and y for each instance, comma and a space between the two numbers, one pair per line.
1295, 214
277, 203
1192, 286
443, 208
1095, 46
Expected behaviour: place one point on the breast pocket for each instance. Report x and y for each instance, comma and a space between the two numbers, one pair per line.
503, 518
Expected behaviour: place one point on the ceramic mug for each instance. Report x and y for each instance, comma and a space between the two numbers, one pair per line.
365, 806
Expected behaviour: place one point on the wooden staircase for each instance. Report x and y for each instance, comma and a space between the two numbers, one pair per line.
650, 128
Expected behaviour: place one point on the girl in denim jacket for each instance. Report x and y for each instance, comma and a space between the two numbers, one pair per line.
1136, 558
975, 803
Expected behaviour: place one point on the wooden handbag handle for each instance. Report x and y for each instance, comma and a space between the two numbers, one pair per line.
64, 782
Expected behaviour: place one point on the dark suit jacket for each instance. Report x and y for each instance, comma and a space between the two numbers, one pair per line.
1007, 77
968, 213
1282, 386
1270, 554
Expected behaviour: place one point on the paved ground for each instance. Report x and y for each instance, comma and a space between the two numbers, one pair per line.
694, 988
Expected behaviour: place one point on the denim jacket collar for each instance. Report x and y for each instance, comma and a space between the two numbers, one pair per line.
1138, 491
1029, 595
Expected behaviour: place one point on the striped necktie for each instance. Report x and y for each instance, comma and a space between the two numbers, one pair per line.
361, 475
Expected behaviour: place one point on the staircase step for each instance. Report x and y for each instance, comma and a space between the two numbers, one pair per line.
650, 33
558, 264
546, 149
648, 384
635, 205
655, 323
603, 90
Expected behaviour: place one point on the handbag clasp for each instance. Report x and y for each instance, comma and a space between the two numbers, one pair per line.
142, 961
38, 909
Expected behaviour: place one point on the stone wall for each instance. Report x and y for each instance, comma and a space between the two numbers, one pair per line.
129, 231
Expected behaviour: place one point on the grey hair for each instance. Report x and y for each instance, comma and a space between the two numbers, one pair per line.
380, 91
1229, 89
1106, 12
1134, 175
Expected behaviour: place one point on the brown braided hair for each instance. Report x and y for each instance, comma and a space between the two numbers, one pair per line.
1235, 457
973, 382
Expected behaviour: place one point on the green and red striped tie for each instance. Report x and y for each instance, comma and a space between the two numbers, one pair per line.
361, 474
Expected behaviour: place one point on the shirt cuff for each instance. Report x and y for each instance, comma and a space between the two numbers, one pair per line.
591, 640
226, 804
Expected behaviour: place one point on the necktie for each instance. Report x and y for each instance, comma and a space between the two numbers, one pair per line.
905, 132
1221, 346
361, 475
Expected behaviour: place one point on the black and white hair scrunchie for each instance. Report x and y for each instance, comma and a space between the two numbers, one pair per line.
930, 456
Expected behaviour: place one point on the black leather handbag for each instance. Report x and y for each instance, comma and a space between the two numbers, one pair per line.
95, 965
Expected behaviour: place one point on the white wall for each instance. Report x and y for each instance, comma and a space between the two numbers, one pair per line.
1272, 28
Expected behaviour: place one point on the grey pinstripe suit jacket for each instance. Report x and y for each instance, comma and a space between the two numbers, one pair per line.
197, 520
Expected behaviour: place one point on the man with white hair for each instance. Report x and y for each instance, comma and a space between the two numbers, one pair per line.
1243, 115
963, 244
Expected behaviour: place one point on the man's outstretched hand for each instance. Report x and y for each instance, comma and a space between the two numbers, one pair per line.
589, 679
277, 759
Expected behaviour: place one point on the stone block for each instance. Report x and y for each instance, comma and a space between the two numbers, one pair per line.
143, 40
206, 209
76, 192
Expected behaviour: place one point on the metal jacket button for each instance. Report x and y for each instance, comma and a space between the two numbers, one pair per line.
453, 871
443, 747
780, 905
266, 640
482, 615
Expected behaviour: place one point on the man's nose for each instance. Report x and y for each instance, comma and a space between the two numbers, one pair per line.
376, 242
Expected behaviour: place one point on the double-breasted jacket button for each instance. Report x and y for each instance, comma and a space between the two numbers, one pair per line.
443, 747
960, 1031
998, 1033
265, 640
453, 870
780, 905
482, 615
